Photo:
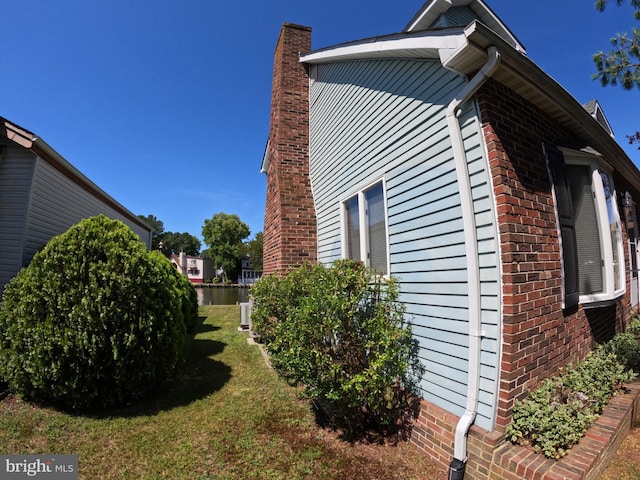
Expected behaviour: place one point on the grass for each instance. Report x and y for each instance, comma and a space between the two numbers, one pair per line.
226, 415
625, 464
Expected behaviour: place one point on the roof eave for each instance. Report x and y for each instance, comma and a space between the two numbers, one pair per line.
16, 134
30, 141
425, 45
523, 76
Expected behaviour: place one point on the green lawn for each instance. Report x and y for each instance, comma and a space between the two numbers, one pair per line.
226, 415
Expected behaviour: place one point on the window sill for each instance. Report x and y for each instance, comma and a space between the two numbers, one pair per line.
598, 301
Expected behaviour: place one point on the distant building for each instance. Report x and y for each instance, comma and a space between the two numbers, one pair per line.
41, 196
196, 269
248, 276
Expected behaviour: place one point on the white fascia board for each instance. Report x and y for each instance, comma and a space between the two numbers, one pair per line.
427, 45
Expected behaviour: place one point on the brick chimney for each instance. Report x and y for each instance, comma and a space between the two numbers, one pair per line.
289, 219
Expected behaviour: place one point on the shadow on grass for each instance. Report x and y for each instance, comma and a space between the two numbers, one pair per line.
357, 426
196, 378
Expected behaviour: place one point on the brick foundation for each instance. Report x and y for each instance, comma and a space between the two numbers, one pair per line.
490, 457
586, 461
433, 432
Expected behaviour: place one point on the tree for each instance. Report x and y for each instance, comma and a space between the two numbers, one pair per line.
253, 251
173, 242
224, 233
158, 229
622, 64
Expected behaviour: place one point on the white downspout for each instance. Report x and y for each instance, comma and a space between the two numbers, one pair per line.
473, 268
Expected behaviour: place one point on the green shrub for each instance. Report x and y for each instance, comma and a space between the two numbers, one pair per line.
626, 346
557, 414
95, 320
341, 333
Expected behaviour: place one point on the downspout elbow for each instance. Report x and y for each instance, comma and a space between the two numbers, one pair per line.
487, 70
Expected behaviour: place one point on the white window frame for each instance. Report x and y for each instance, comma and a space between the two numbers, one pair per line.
633, 238
598, 166
364, 223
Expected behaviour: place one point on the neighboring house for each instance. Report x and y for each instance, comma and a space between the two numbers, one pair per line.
442, 155
248, 276
197, 269
42, 195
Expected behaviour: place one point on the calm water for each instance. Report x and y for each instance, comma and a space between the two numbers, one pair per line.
222, 296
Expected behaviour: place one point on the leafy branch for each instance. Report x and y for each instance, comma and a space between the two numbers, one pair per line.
622, 64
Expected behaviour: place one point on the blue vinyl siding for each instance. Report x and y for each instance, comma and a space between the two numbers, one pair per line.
455, 17
386, 119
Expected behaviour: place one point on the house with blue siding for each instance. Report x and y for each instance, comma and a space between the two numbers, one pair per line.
42, 195
444, 156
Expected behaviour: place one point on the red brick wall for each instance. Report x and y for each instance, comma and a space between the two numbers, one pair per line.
434, 432
289, 220
538, 336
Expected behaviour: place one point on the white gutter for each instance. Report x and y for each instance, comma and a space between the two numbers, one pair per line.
471, 245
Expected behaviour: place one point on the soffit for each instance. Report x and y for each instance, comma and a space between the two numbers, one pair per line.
16, 133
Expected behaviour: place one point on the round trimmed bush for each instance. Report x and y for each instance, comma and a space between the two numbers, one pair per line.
95, 320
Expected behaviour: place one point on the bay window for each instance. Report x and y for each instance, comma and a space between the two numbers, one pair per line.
587, 195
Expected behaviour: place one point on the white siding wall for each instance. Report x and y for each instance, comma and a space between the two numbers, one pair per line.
375, 119
38, 202
57, 203
16, 166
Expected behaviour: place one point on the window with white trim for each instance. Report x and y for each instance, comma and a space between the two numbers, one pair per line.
597, 229
365, 228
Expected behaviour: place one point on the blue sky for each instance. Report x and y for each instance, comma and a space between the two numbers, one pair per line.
165, 104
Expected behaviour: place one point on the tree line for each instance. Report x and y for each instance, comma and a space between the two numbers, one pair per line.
226, 238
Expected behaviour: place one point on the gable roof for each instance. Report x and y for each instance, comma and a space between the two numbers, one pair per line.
595, 110
443, 13
435, 32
